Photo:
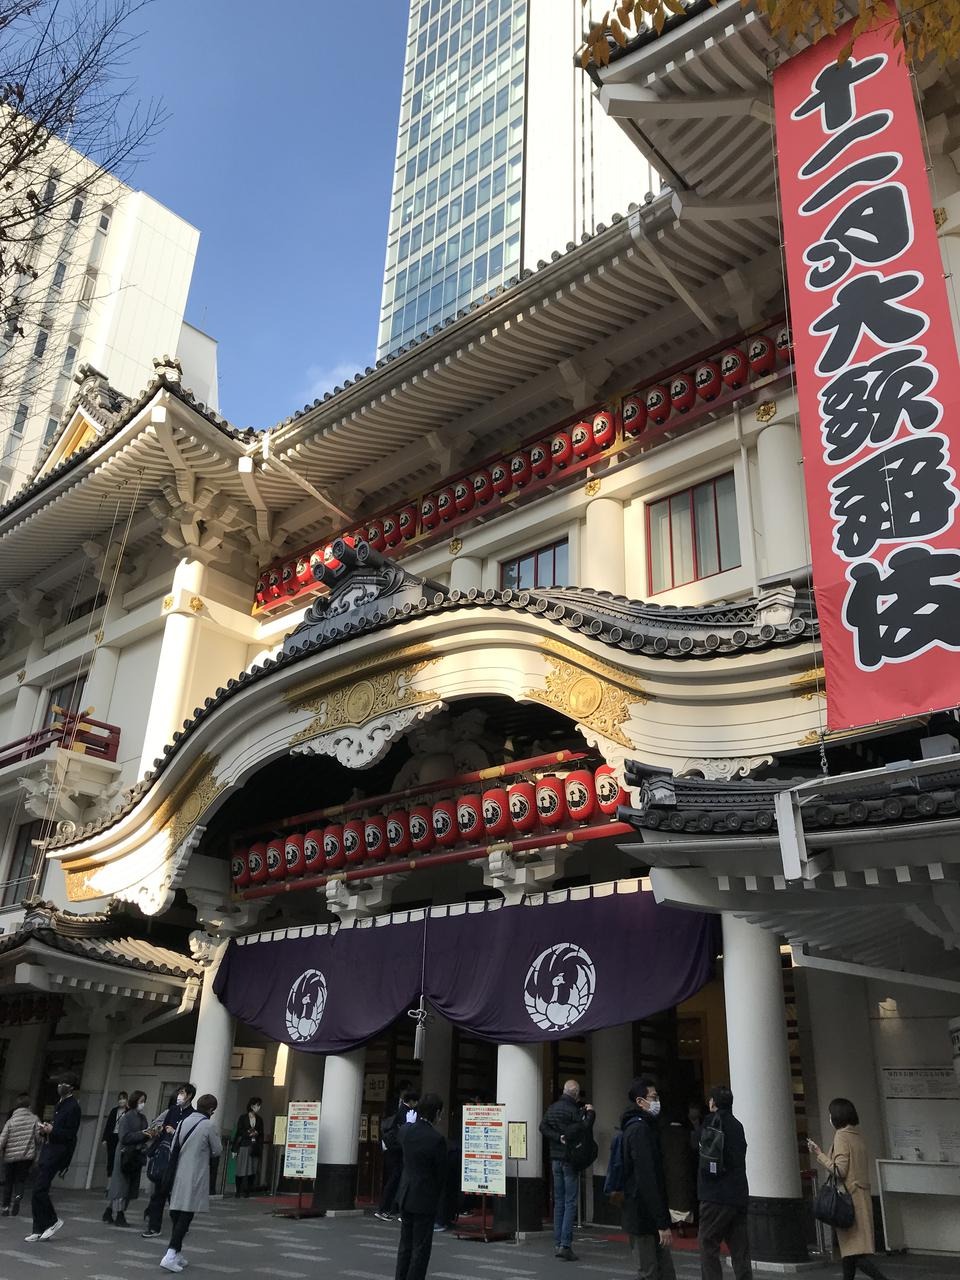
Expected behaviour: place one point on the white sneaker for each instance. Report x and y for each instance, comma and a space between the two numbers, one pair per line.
33, 1237
170, 1262
182, 1260
52, 1231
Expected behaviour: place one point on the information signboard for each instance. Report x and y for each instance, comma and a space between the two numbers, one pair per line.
303, 1134
484, 1161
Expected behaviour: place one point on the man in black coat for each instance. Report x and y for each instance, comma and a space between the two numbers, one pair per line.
646, 1215
421, 1185
55, 1158
723, 1192
392, 1123
110, 1130
560, 1117
179, 1109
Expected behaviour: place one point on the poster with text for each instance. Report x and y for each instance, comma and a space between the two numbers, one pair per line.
303, 1136
877, 375
484, 1146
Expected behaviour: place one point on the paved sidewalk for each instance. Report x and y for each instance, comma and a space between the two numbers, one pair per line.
243, 1239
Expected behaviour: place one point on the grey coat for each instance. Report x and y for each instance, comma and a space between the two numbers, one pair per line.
132, 1125
199, 1140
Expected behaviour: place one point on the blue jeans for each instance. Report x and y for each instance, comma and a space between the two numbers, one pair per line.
566, 1186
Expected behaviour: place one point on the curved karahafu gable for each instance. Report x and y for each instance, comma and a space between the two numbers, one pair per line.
386, 650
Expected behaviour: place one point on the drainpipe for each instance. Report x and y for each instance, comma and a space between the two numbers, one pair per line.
747, 500
188, 1000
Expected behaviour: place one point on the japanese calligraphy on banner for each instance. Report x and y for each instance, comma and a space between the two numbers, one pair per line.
878, 379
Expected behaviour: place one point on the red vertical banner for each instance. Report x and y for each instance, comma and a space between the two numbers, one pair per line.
878, 378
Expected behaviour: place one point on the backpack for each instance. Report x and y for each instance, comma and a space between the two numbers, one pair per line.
390, 1132
158, 1157
711, 1148
580, 1148
616, 1178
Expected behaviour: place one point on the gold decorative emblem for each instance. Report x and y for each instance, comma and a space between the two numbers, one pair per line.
585, 696
21, 676
766, 411
359, 702
939, 216
167, 603
98, 638
352, 705
456, 546
592, 487
196, 604
601, 697
810, 684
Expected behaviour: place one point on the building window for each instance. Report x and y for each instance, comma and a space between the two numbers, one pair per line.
106, 213
85, 607
545, 567
40, 346
59, 271
88, 288
50, 430
693, 534
76, 209
20, 419
65, 697
24, 863
69, 358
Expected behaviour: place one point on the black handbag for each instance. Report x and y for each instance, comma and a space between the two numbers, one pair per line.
834, 1203
169, 1175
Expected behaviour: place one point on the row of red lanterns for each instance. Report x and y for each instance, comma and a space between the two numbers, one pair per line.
470, 819
731, 370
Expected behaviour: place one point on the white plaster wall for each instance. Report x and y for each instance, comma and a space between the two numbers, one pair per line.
130, 701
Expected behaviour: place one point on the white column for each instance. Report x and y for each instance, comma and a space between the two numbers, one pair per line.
611, 1057
181, 634
602, 556
466, 573
213, 1047
435, 1073
780, 476
306, 1076
28, 698
520, 1089
92, 1080
100, 681
340, 1105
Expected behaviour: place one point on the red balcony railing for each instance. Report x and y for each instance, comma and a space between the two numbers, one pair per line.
74, 732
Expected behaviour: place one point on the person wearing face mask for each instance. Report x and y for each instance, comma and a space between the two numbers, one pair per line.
247, 1146
61, 1142
110, 1130
158, 1157
133, 1133
563, 1118
722, 1189
849, 1158
195, 1144
646, 1215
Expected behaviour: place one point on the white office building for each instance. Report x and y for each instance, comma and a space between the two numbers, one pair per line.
113, 272
503, 156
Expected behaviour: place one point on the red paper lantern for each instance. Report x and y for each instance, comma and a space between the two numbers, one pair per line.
313, 849
551, 801
332, 567
391, 531
257, 863
444, 818
261, 593
470, 817
733, 367
429, 512
316, 564
288, 577
463, 496
353, 842
604, 429
239, 871
784, 346
581, 794
483, 486
658, 405
408, 523
708, 381
540, 459
274, 589
398, 832
610, 794
682, 392
375, 837
500, 478
523, 806
304, 573
561, 449
496, 811
581, 438
333, 853
294, 856
375, 535
421, 827
276, 859
446, 505
633, 415
761, 355
520, 468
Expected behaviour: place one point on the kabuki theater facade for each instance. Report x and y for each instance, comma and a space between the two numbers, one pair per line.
572, 694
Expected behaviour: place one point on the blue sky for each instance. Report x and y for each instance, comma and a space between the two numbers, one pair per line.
279, 147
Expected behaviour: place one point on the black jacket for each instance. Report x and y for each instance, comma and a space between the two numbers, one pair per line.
62, 1140
424, 1168
110, 1128
729, 1187
558, 1118
171, 1118
244, 1136
645, 1209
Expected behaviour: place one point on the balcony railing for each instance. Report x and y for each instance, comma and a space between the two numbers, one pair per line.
73, 732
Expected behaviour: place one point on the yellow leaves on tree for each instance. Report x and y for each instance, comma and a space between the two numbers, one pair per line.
929, 28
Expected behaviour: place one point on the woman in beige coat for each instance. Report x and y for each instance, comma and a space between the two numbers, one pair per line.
848, 1155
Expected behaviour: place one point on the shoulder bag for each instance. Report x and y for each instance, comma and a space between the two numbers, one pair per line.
834, 1203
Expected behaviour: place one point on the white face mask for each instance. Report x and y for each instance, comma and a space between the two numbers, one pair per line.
141, 1106
181, 1099
255, 1108
653, 1107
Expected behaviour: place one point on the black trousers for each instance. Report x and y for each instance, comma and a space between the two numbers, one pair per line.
15, 1173
392, 1169
860, 1262
723, 1224
180, 1220
153, 1214
112, 1143
44, 1214
416, 1241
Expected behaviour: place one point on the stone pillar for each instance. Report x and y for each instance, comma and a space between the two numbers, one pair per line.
336, 1184
435, 1073
602, 557
762, 1089
171, 688
96, 1063
520, 1089
611, 1058
213, 1047
466, 573
780, 476
100, 682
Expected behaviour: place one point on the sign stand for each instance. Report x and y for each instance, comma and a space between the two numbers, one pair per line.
517, 1151
300, 1154
483, 1164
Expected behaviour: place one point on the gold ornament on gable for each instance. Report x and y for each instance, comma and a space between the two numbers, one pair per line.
350, 705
